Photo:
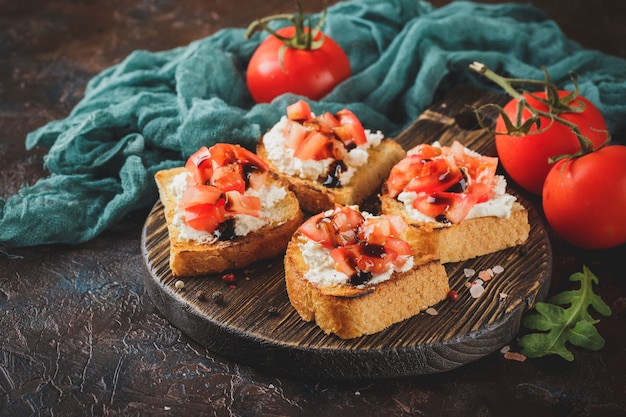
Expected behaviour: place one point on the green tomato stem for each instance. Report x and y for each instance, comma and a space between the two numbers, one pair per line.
553, 103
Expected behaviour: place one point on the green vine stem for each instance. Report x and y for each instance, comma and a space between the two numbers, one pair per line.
555, 105
305, 33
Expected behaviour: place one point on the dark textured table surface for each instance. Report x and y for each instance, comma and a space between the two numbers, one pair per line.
78, 335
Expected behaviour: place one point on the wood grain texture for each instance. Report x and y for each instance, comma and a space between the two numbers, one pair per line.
251, 321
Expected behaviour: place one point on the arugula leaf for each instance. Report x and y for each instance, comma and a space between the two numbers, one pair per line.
573, 324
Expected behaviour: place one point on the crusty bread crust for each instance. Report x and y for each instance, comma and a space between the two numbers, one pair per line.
315, 198
190, 258
466, 240
349, 311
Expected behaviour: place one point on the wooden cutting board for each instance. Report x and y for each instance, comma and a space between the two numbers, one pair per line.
252, 322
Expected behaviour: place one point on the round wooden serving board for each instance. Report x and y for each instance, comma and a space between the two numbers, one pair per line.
252, 321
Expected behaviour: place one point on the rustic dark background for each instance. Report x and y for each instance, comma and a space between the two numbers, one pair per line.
78, 336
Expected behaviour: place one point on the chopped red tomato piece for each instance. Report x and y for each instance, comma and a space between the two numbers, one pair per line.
359, 245
294, 134
238, 203
377, 229
327, 122
199, 166
323, 136
435, 175
353, 128
219, 177
299, 110
398, 246
200, 194
316, 146
455, 206
229, 177
204, 217
461, 206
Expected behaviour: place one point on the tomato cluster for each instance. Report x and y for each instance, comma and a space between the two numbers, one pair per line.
325, 136
359, 246
217, 180
526, 155
447, 180
584, 192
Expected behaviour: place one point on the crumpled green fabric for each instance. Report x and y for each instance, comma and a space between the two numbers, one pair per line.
155, 108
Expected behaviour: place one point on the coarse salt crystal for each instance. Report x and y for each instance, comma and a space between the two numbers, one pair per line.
498, 269
505, 349
503, 295
485, 275
469, 272
477, 289
431, 311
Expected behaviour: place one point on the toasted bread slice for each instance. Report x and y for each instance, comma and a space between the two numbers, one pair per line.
188, 258
351, 311
315, 197
465, 240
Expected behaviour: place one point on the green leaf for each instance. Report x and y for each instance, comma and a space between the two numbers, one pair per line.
565, 318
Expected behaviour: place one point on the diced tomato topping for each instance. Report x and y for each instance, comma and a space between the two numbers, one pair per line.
425, 151
401, 174
204, 217
294, 134
238, 203
338, 228
327, 122
218, 178
299, 110
200, 194
316, 146
345, 261
435, 175
398, 246
199, 166
460, 207
358, 244
229, 177
354, 127
323, 136
447, 180
256, 179
431, 205
455, 206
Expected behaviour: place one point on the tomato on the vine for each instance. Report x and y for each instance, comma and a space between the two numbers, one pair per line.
295, 59
525, 156
584, 198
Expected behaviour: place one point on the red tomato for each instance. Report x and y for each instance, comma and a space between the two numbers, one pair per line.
199, 166
335, 229
238, 203
205, 217
584, 199
200, 194
351, 130
309, 73
525, 157
299, 111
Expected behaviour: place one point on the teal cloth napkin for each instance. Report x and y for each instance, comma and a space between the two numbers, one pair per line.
154, 109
